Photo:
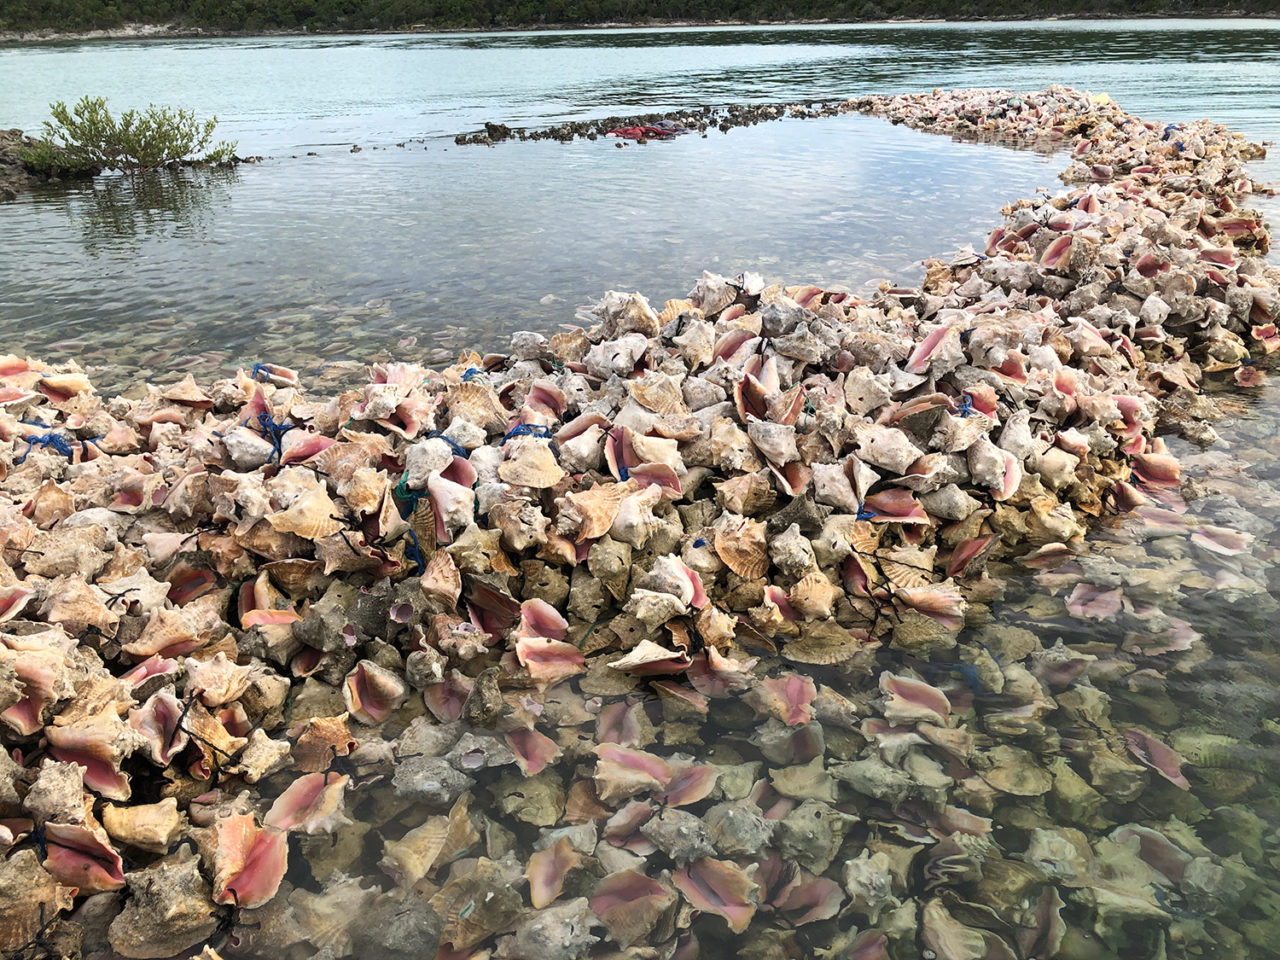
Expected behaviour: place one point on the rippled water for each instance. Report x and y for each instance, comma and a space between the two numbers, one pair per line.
468, 243
408, 247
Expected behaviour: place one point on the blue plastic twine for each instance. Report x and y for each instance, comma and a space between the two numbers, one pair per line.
273, 431
865, 514
257, 369
534, 430
410, 497
458, 448
414, 552
471, 374
527, 430
966, 406
60, 444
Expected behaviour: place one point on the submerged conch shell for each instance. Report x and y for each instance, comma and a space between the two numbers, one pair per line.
547, 871
908, 700
631, 905
720, 887
320, 741
249, 861
311, 804
372, 693
622, 772
549, 661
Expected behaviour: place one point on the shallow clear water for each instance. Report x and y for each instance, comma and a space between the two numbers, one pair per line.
466, 244
469, 243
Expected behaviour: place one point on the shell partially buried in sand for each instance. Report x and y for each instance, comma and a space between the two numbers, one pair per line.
671, 636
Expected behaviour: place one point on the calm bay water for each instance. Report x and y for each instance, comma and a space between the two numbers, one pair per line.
458, 246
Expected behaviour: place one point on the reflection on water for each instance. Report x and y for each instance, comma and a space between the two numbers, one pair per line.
247, 267
490, 240
117, 213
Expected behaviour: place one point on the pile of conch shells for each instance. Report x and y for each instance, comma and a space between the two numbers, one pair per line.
665, 637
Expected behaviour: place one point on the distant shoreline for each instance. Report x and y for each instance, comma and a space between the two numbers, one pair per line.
173, 31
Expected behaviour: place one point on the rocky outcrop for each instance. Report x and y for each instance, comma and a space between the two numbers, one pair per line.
13, 175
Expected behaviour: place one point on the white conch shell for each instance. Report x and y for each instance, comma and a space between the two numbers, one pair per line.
777, 441
831, 486
584, 452
635, 522
454, 504
887, 447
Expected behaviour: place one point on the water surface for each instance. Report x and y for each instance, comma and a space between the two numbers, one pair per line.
320, 254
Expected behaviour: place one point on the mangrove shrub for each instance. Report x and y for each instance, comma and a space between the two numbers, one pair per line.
86, 137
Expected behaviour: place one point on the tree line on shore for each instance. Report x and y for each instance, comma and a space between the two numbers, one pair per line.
320, 15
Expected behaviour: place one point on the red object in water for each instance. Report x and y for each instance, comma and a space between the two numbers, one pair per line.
636, 133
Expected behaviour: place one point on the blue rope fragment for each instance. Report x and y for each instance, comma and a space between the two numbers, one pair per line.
257, 369
414, 552
972, 679
527, 430
471, 374
409, 497
60, 444
700, 542
273, 431
865, 514
534, 430
458, 448
966, 406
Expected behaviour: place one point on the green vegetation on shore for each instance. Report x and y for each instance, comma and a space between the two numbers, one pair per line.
257, 15
87, 135
83, 140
